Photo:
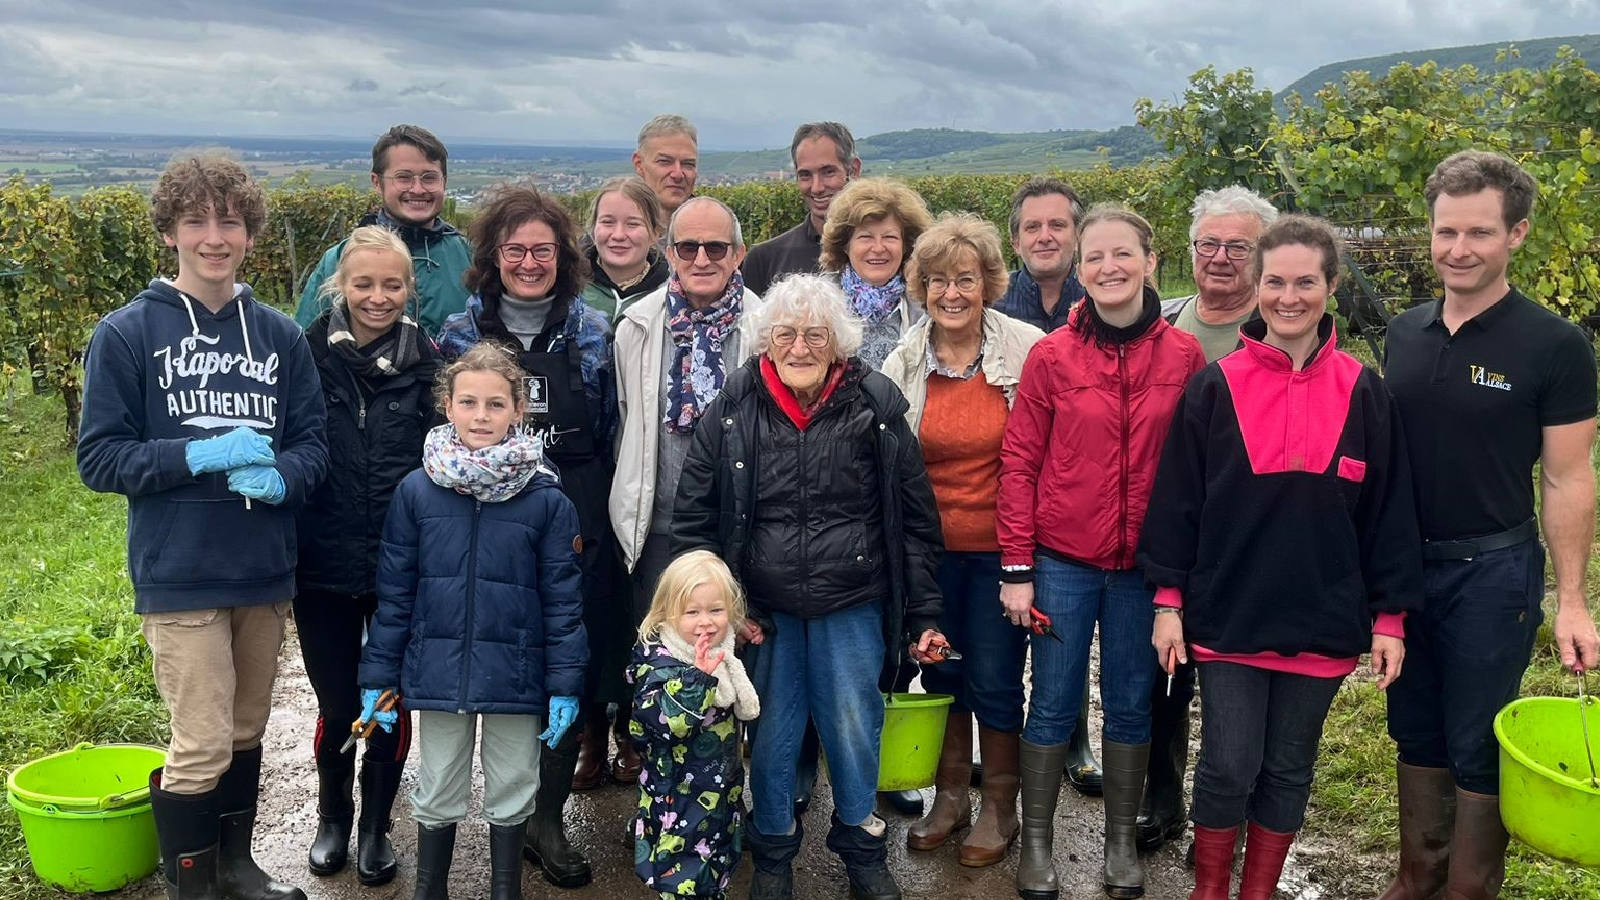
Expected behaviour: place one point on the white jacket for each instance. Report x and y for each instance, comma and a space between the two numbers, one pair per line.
1006, 345
640, 335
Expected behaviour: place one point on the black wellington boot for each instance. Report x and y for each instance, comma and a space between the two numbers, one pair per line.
1082, 771
1162, 815
237, 873
375, 862
773, 859
187, 830
435, 847
546, 844
336, 812
505, 861
865, 851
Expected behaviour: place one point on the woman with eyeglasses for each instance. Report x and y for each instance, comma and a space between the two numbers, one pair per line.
959, 368
804, 476
871, 227
1079, 454
527, 276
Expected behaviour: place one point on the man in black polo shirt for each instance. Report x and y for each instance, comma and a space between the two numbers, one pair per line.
1487, 383
824, 157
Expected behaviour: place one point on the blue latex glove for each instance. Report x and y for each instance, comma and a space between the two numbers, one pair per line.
562, 711
258, 483
240, 447
369, 709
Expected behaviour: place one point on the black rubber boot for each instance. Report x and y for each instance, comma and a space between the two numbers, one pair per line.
546, 844
1082, 771
336, 813
906, 803
187, 830
1162, 814
805, 774
865, 851
375, 862
505, 861
773, 861
435, 847
237, 873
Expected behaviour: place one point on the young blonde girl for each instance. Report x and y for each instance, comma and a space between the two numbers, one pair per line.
479, 616
688, 690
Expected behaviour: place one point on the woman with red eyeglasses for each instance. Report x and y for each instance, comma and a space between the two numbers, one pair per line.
527, 277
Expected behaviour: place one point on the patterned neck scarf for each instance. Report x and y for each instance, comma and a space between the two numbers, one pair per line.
872, 303
493, 474
389, 354
698, 369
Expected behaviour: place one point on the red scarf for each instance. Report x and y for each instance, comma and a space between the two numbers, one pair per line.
788, 402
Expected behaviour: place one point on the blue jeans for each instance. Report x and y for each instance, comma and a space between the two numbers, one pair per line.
1259, 734
1075, 597
987, 681
1465, 655
826, 670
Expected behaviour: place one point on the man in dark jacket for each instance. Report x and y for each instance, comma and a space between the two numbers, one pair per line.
1045, 213
825, 160
409, 173
202, 407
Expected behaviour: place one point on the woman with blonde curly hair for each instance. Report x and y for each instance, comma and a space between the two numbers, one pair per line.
871, 226
959, 368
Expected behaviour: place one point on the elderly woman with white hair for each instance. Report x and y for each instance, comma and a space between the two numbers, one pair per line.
805, 477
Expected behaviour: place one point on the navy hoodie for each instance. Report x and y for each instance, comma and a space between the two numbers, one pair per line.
165, 370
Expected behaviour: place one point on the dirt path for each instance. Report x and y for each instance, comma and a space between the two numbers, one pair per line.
598, 822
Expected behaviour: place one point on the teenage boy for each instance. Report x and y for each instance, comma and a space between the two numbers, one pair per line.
203, 407
1487, 383
409, 174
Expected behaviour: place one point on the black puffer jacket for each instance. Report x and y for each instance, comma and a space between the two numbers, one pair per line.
370, 453
811, 523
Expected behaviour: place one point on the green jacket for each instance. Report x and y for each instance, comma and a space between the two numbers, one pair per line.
441, 257
602, 294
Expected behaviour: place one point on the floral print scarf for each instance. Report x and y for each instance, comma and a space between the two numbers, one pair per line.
873, 303
698, 370
492, 474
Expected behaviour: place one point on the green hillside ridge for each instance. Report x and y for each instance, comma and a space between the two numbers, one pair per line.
1534, 54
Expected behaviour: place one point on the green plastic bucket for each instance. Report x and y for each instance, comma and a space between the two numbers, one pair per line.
86, 815
913, 732
1546, 799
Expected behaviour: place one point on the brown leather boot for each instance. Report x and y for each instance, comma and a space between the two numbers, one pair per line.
1427, 818
591, 770
952, 805
1477, 848
997, 826
625, 767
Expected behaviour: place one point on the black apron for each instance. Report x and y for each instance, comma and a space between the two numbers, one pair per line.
558, 410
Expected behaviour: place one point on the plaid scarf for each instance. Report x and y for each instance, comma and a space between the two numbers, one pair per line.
389, 354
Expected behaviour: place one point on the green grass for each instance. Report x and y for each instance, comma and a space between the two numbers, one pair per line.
73, 666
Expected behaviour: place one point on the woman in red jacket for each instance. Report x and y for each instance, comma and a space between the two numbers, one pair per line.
1079, 455
1283, 541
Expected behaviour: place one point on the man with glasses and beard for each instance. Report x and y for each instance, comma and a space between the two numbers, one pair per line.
674, 348
825, 160
408, 172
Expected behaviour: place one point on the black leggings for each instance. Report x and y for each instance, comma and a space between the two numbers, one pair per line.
331, 627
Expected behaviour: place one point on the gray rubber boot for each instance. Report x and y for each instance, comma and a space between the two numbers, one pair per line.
1042, 768
1124, 766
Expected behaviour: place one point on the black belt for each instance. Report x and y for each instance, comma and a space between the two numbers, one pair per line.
1467, 548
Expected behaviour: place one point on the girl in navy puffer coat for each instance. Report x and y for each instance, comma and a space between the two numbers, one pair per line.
479, 615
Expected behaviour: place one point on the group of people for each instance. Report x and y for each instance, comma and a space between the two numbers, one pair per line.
625, 483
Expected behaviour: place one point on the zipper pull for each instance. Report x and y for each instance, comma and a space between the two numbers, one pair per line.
361, 416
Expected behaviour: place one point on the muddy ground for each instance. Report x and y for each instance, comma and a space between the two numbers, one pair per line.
598, 821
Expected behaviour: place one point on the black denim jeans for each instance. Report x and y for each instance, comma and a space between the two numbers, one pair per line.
1465, 655
1259, 732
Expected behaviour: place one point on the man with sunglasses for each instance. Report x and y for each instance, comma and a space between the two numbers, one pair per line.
674, 349
408, 172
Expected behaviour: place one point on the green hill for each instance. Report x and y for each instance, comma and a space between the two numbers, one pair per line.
1535, 54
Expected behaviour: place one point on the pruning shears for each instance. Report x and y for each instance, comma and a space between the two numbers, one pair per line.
1041, 625
361, 729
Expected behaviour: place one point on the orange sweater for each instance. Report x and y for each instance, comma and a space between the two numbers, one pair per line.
963, 423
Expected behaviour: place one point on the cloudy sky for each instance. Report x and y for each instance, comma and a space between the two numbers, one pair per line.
744, 70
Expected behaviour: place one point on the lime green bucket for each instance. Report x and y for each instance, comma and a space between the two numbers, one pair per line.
86, 815
1546, 799
913, 732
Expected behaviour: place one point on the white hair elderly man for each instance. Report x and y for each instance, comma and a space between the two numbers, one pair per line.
1223, 227
675, 347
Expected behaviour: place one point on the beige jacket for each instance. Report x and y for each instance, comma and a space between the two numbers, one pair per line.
1006, 345
638, 348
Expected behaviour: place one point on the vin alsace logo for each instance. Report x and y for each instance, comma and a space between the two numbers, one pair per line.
1485, 378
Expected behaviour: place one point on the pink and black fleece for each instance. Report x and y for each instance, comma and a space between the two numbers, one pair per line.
1282, 518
